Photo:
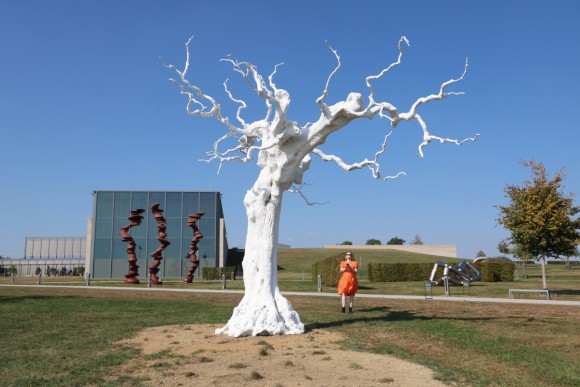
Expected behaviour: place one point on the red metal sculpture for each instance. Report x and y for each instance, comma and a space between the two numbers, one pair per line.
197, 235
161, 234
135, 218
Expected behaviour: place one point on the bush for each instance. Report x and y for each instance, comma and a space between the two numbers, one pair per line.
495, 271
399, 272
491, 271
329, 270
215, 273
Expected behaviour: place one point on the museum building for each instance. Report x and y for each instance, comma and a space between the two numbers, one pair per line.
107, 252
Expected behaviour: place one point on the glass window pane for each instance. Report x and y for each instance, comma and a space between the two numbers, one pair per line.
69, 247
140, 230
156, 197
141, 250
173, 250
102, 248
122, 204
173, 227
104, 204
44, 248
53, 248
103, 227
139, 200
152, 227
37, 249
207, 203
207, 227
185, 248
29, 248
117, 224
173, 205
206, 248
190, 203
119, 249
83, 248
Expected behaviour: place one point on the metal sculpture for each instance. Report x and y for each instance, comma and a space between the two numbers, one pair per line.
197, 235
135, 218
463, 273
161, 234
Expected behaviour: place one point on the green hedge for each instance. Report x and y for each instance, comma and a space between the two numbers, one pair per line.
562, 262
403, 272
215, 273
400, 272
329, 270
496, 271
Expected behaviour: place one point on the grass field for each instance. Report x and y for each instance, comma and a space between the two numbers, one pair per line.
65, 337
295, 266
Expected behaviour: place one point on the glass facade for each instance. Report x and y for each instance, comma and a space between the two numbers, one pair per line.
111, 210
55, 247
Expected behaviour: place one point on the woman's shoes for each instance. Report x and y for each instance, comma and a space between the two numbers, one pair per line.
350, 309
343, 309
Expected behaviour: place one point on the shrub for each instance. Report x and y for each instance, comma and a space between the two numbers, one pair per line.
215, 273
329, 270
491, 271
495, 271
399, 272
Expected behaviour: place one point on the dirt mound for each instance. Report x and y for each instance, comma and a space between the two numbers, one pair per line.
193, 355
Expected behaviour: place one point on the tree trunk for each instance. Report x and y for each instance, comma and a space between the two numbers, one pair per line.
524, 266
263, 310
544, 282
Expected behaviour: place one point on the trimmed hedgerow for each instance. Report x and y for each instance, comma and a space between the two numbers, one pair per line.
496, 271
215, 273
329, 270
399, 272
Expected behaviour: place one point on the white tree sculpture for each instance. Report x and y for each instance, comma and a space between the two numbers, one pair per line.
283, 150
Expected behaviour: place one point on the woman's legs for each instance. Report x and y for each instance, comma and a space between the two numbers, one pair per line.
343, 302
351, 302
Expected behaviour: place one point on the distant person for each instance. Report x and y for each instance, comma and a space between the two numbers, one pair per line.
348, 284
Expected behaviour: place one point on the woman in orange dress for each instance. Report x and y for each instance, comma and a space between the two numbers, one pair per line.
348, 284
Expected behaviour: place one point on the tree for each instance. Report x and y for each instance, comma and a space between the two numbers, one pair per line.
373, 242
396, 241
282, 150
504, 247
540, 217
480, 254
417, 240
347, 243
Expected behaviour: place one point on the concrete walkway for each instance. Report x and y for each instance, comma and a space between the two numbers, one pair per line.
317, 294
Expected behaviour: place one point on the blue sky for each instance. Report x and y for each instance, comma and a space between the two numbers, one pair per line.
86, 105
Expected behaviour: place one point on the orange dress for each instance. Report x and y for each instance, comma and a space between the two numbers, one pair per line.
348, 283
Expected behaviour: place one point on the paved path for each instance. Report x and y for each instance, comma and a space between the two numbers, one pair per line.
317, 294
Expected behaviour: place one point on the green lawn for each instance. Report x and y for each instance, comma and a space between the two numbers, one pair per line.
295, 266
66, 336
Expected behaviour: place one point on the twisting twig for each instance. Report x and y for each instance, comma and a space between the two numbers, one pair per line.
298, 190
385, 70
320, 100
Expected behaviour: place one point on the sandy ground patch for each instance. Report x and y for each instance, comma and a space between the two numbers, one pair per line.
184, 355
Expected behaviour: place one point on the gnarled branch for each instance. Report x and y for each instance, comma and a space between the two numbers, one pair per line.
373, 165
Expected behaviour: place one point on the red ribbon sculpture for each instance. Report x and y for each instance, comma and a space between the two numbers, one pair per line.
197, 235
161, 234
135, 218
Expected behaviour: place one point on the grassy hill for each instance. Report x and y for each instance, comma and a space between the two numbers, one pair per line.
296, 261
